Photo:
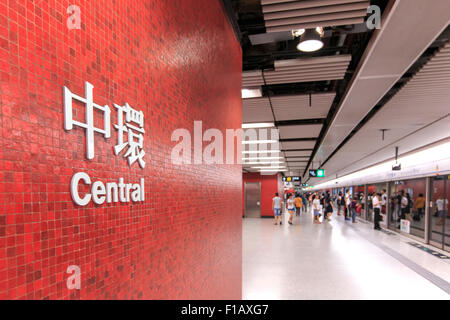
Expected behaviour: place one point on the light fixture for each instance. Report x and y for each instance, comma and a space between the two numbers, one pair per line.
258, 141
262, 158
310, 40
261, 151
271, 167
263, 162
258, 125
251, 93
280, 170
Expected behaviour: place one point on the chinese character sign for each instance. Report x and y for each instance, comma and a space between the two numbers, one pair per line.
89, 124
135, 147
129, 121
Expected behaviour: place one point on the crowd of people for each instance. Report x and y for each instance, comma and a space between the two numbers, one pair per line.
323, 205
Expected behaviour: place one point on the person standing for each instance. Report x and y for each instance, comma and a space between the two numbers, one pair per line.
376, 204
339, 203
329, 207
348, 200
408, 208
290, 205
419, 205
353, 208
298, 204
403, 205
276, 207
383, 201
316, 209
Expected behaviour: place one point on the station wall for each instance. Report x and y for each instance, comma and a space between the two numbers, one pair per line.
177, 61
270, 184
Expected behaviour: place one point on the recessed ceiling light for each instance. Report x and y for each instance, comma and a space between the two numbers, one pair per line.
261, 151
251, 93
258, 125
262, 158
258, 141
310, 40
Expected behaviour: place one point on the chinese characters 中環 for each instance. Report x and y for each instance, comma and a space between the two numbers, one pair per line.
133, 125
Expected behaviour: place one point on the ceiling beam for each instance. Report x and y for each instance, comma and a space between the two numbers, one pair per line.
299, 122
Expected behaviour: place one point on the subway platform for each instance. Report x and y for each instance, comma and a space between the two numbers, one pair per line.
337, 260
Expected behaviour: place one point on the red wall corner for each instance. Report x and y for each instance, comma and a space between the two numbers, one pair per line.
178, 62
270, 184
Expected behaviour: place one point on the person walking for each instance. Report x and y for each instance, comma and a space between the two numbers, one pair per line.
376, 204
290, 205
305, 203
276, 207
316, 209
298, 204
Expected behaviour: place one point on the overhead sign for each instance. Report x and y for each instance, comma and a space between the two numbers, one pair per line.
319, 173
292, 179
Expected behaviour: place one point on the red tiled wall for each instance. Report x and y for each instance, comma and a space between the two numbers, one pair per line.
176, 60
270, 184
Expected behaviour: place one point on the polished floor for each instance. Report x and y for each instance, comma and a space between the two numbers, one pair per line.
336, 260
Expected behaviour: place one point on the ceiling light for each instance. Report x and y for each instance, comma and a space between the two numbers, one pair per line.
251, 93
310, 40
263, 162
272, 167
262, 158
279, 170
258, 141
261, 151
298, 33
257, 125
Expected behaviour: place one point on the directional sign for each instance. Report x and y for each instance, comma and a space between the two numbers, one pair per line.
320, 173
291, 179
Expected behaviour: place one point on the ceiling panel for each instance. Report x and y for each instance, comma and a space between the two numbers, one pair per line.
298, 145
256, 110
298, 106
298, 153
300, 131
282, 15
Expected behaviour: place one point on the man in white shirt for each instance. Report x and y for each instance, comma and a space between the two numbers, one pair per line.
348, 200
276, 206
376, 204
